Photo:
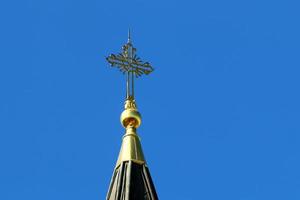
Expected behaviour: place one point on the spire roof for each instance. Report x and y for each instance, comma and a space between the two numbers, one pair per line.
131, 179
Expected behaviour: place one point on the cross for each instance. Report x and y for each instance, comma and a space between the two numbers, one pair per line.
128, 62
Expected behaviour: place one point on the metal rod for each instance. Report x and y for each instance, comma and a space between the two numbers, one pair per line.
132, 84
127, 85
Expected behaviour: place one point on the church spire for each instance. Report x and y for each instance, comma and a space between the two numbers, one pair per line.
131, 178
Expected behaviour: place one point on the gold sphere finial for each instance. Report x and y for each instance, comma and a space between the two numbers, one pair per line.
130, 117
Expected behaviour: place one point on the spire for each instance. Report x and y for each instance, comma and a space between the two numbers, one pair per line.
131, 178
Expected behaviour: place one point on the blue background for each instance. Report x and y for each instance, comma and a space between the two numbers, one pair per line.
220, 112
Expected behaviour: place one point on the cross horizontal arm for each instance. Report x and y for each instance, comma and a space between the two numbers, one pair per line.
134, 65
140, 68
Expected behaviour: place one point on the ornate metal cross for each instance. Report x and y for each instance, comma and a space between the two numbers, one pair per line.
128, 62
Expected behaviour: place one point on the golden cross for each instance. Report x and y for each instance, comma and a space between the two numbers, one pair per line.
128, 62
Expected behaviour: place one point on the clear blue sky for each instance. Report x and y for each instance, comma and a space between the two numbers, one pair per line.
220, 112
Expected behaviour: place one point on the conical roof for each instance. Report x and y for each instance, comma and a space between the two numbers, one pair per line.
131, 181
131, 178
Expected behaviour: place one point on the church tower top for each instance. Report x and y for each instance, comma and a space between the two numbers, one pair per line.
131, 178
